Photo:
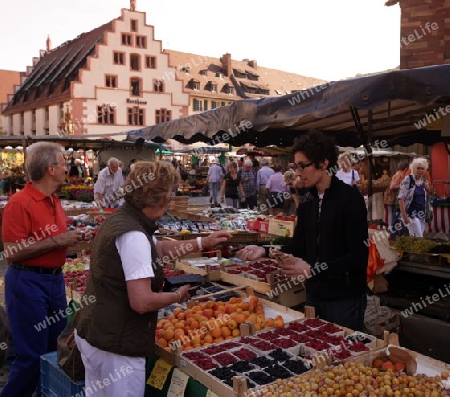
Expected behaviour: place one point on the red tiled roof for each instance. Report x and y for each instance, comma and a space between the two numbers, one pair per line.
275, 81
50, 78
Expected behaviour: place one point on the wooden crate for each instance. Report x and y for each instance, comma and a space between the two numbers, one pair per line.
271, 308
76, 211
287, 293
210, 275
190, 216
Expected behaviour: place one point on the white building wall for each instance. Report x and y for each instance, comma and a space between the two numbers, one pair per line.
54, 122
16, 124
40, 121
92, 82
27, 122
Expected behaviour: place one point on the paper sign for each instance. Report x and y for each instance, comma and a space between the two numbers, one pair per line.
211, 394
177, 384
159, 374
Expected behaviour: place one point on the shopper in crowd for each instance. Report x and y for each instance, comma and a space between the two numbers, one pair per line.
262, 177
248, 181
231, 191
397, 227
117, 330
426, 174
412, 198
329, 245
35, 237
276, 188
215, 175
106, 189
291, 204
346, 173
77, 169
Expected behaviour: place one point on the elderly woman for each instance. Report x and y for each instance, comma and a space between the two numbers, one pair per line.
412, 198
117, 329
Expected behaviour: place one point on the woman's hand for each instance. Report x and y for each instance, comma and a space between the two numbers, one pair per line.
296, 269
251, 253
216, 238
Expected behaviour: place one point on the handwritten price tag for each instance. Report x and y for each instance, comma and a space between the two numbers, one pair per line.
177, 384
159, 374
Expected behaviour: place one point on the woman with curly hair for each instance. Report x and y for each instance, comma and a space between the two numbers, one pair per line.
117, 329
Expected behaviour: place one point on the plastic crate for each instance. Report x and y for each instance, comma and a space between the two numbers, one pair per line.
54, 382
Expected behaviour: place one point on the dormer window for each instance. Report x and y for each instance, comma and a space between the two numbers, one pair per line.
228, 89
211, 86
219, 75
204, 72
194, 84
185, 69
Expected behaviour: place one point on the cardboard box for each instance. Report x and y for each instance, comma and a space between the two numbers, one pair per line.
253, 225
281, 228
264, 226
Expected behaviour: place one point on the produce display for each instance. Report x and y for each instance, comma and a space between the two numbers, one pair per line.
76, 273
350, 379
177, 224
417, 245
211, 322
257, 270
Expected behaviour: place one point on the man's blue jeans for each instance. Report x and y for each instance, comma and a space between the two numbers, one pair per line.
213, 190
36, 305
345, 312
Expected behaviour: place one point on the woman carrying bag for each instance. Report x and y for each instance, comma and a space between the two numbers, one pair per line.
412, 198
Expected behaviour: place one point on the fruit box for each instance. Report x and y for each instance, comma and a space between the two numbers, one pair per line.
271, 309
285, 292
415, 363
196, 263
281, 228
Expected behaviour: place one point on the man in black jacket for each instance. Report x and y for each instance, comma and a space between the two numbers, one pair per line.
330, 242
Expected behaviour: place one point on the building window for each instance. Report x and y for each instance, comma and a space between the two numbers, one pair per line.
162, 115
141, 41
197, 105
22, 123
204, 72
229, 89
135, 116
33, 122
150, 62
119, 58
106, 114
158, 85
205, 104
111, 81
126, 39
214, 104
212, 86
222, 103
185, 69
135, 62
133, 25
135, 86
195, 84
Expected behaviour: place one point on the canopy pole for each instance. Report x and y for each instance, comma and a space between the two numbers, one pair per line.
366, 141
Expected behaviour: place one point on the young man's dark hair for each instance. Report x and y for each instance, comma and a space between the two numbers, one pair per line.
317, 147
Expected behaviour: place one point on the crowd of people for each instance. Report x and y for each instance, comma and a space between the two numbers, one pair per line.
328, 249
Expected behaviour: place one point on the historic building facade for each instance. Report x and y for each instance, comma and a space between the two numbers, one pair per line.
117, 78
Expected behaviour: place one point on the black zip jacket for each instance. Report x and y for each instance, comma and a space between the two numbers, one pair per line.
334, 243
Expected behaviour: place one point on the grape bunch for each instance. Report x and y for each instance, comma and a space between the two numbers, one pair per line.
416, 245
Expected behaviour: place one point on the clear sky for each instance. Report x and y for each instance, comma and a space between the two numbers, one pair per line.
329, 39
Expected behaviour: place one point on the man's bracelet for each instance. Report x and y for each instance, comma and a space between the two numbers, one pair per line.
199, 243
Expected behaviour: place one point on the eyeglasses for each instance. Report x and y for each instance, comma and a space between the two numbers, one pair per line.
302, 166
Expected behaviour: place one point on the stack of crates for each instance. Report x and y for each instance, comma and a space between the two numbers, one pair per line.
54, 382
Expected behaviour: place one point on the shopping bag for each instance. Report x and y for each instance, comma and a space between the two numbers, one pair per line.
69, 356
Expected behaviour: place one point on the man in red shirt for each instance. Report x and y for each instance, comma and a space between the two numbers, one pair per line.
35, 240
